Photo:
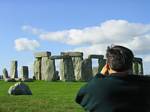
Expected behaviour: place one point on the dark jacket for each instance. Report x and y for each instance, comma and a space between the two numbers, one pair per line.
116, 93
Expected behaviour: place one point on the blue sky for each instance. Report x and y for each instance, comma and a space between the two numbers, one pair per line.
27, 26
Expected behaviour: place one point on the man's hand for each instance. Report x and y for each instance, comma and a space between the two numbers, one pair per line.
105, 70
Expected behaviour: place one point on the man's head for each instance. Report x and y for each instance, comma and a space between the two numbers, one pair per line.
119, 58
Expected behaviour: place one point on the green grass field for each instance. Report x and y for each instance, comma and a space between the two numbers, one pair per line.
47, 97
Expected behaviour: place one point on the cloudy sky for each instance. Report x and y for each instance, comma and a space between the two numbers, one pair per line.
72, 25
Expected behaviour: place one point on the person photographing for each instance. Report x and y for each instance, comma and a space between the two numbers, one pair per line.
116, 89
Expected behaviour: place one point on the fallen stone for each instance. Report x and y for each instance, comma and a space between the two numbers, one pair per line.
26, 80
19, 89
9, 80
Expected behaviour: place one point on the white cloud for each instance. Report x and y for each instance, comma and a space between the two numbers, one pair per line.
95, 39
147, 58
23, 44
109, 31
33, 30
112, 31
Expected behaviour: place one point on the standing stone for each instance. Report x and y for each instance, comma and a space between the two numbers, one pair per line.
86, 69
141, 68
48, 69
57, 75
24, 72
13, 71
37, 69
77, 67
135, 68
5, 74
66, 68
101, 62
94, 70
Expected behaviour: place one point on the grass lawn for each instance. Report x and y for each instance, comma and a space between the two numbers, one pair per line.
47, 97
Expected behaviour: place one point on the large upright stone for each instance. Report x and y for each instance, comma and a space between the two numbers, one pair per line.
137, 67
94, 70
77, 67
141, 72
24, 72
37, 69
5, 74
86, 70
140, 66
66, 68
48, 69
101, 62
13, 70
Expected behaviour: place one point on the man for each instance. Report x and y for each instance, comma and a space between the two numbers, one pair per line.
116, 89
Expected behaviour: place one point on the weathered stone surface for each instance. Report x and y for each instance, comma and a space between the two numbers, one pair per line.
18, 79
136, 59
10, 80
101, 63
13, 70
86, 69
26, 80
37, 69
66, 68
24, 72
56, 57
94, 70
72, 54
5, 74
135, 68
77, 67
96, 56
19, 89
140, 66
1, 77
48, 69
42, 54
57, 75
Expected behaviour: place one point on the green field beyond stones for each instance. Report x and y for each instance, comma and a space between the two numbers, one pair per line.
47, 97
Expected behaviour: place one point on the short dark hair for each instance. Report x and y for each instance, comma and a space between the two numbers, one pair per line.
119, 58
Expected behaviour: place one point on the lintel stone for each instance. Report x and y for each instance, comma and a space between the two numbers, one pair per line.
137, 59
42, 54
96, 56
72, 54
56, 57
